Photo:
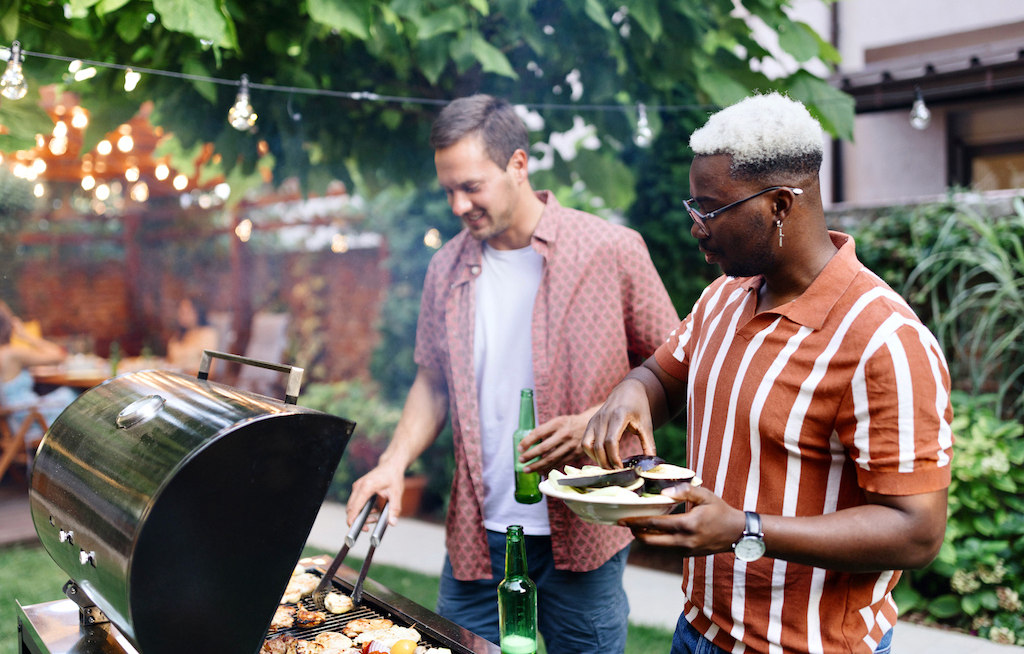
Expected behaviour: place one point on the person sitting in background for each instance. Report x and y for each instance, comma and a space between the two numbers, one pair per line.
16, 384
185, 349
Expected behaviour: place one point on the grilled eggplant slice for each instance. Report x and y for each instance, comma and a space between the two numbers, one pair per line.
664, 476
642, 462
595, 477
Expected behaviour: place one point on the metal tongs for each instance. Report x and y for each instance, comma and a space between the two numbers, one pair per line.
382, 524
324, 587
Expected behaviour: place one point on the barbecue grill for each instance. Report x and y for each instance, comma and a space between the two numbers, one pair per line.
178, 507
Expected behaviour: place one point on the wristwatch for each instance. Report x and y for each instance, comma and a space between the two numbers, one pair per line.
750, 546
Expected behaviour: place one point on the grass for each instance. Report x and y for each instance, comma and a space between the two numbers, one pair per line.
29, 575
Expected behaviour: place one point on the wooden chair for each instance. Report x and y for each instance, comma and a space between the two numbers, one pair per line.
13, 447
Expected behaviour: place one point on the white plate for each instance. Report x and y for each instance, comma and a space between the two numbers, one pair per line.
600, 510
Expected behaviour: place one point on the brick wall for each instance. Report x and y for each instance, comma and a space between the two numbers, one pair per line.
334, 300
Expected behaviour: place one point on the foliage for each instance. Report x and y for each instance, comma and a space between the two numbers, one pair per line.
16, 202
661, 217
978, 576
976, 274
375, 423
532, 51
28, 575
961, 267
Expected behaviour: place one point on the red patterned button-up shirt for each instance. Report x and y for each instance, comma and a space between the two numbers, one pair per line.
601, 309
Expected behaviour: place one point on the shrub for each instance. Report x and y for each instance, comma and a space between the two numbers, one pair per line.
375, 420
975, 582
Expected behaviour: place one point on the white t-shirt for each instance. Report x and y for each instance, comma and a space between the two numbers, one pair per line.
503, 362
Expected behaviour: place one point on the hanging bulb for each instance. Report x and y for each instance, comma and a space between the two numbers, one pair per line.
241, 115
644, 135
920, 116
13, 85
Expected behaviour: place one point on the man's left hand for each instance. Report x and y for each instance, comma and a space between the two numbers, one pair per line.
556, 442
709, 527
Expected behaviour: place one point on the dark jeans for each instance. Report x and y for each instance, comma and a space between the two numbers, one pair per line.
578, 612
688, 640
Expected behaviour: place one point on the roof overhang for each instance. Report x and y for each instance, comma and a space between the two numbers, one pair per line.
988, 71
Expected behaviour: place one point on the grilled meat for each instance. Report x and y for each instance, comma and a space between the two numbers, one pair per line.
338, 603
333, 640
307, 619
277, 645
359, 625
299, 586
388, 635
284, 617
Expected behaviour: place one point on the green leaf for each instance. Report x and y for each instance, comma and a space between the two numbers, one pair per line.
971, 604
645, 12
206, 89
491, 59
945, 606
450, 19
130, 24
722, 88
80, 6
9, 23
200, 18
107, 6
352, 16
799, 40
832, 107
481, 6
595, 12
461, 50
432, 56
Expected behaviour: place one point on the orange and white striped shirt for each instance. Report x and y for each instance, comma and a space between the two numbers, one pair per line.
796, 412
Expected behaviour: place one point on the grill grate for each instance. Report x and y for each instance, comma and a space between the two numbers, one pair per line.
337, 622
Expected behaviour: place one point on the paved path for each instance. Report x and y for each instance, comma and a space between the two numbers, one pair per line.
654, 597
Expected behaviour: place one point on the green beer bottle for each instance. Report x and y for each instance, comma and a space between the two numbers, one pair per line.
517, 599
527, 483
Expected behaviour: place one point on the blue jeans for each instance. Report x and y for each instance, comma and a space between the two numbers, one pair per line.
688, 640
578, 612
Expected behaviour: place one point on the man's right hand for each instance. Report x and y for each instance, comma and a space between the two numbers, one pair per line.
626, 411
388, 482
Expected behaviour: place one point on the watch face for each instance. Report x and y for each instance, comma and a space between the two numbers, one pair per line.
749, 548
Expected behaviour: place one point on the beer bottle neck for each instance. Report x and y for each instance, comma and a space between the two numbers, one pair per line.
515, 554
526, 418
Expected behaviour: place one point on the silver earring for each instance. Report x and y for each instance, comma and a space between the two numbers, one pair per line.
778, 223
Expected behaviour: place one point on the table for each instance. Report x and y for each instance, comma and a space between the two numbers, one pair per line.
60, 376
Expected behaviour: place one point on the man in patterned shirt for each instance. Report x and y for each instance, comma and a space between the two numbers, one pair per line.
529, 295
817, 407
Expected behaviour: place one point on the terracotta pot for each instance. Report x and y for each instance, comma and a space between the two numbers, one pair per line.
412, 496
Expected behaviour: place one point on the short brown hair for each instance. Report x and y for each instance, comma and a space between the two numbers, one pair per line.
500, 128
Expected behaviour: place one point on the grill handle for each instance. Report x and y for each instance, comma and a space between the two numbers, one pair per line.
291, 393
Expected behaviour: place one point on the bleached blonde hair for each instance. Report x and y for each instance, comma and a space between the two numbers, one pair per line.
766, 135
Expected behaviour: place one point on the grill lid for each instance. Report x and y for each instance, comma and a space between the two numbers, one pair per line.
179, 505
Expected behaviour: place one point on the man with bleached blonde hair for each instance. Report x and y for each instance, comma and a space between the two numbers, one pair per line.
818, 413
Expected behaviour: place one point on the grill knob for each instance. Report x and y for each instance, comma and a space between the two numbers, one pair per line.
67, 536
87, 558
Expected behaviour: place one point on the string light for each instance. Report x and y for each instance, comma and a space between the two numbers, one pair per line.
13, 85
920, 115
131, 80
644, 135
241, 115
180, 182
104, 147
161, 172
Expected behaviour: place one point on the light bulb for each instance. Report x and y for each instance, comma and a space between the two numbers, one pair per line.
643, 135
132, 174
161, 172
241, 115
180, 182
131, 79
104, 147
920, 116
13, 85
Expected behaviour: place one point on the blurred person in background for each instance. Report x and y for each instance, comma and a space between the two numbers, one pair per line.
195, 334
16, 383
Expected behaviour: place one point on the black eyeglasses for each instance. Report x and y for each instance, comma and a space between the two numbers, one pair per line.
702, 218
